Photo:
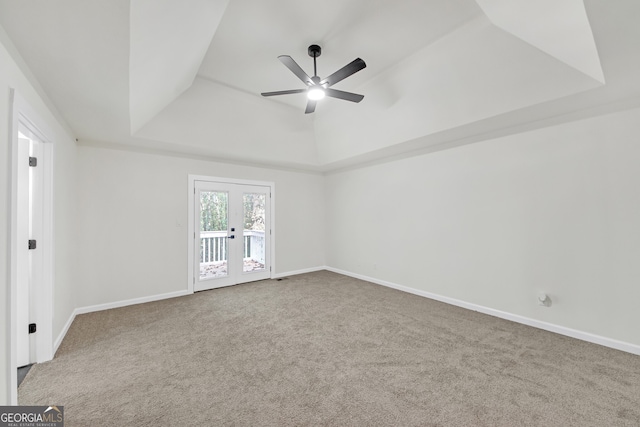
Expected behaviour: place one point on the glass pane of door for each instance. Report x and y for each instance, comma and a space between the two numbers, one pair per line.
254, 232
214, 220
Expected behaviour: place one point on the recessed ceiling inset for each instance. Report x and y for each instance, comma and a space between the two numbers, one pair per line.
318, 89
560, 28
168, 42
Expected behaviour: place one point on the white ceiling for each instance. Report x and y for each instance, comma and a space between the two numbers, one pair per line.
186, 77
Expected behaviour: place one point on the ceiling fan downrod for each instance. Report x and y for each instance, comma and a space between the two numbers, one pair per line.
315, 51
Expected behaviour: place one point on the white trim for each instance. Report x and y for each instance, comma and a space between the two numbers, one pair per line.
562, 330
111, 305
22, 112
45, 300
134, 301
13, 256
64, 331
191, 231
191, 218
230, 180
296, 272
272, 225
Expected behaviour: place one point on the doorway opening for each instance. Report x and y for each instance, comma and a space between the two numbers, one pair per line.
31, 254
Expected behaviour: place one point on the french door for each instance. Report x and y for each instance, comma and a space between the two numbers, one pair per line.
232, 238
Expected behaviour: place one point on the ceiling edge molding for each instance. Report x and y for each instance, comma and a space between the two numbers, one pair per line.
167, 151
444, 141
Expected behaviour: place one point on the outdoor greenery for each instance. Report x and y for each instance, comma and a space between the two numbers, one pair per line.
254, 205
214, 207
213, 211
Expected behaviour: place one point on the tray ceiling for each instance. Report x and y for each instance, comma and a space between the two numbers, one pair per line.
148, 74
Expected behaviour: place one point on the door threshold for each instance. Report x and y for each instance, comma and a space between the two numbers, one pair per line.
22, 372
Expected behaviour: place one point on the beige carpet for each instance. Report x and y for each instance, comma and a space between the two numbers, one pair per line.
325, 349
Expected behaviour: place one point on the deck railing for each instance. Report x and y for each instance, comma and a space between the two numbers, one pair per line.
214, 246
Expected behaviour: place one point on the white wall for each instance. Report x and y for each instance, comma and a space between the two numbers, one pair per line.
494, 223
133, 221
13, 75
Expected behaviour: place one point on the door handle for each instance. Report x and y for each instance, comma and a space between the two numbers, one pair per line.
231, 237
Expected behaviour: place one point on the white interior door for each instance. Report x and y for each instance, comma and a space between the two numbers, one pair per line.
22, 272
232, 234
29, 229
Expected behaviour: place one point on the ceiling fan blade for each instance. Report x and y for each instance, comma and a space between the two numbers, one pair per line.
283, 92
347, 96
295, 69
344, 72
311, 106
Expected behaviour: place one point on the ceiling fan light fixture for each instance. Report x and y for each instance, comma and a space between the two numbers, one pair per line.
318, 88
315, 93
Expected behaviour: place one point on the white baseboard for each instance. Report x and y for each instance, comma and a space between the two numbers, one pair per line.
64, 331
134, 301
573, 333
110, 305
296, 272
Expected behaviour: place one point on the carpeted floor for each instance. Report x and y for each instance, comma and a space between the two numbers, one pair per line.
325, 349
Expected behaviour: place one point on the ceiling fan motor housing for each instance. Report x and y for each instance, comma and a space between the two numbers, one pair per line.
315, 51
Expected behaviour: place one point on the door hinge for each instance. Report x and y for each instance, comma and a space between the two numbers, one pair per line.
32, 244
32, 328
33, 162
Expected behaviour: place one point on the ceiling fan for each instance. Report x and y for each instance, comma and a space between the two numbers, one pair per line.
316, 88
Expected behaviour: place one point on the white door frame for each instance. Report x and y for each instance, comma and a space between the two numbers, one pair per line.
191, 230
22, 113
